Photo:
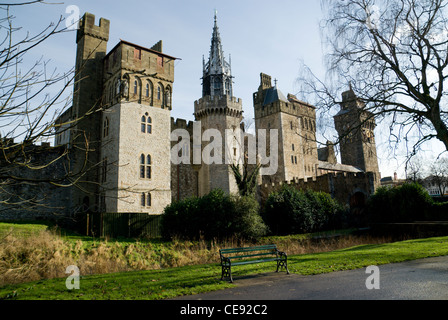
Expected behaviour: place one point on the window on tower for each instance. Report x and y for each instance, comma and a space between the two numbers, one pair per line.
145, 166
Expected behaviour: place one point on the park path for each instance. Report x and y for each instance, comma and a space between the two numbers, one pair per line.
425, 279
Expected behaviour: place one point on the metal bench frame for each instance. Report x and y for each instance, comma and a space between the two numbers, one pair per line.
251, 255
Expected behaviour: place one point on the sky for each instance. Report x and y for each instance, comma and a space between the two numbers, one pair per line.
272, 37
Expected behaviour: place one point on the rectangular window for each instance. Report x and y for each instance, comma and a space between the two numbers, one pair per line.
142, 172
137, 54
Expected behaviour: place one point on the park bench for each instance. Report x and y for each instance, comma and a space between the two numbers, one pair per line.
250, 255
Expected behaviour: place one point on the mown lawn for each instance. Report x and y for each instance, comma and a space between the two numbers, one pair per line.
173, 282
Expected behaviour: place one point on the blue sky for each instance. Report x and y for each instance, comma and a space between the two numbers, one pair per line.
273, 37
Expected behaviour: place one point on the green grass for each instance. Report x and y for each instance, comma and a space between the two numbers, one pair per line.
169, 283
23, 228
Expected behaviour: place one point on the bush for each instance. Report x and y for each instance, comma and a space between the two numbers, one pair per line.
214, 216
292, 211
406, 203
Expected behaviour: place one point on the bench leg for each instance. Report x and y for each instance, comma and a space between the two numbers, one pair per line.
282, 264
226, 272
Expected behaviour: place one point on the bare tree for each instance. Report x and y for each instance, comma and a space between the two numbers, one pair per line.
32, 98
438, 175
415, 170
394, 55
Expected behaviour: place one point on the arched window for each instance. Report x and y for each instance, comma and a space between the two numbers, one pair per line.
168, 97
143, 124
146, 124
142, 166
135, 87
147, 90
145, 199
159, 92
145, 166
149, 125
148, 167
106, 127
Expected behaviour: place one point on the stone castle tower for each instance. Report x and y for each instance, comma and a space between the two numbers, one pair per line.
220, 115
122, 100
296, 124
355, 127
85, 136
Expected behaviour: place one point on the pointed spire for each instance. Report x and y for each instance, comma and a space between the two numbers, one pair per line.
217, 79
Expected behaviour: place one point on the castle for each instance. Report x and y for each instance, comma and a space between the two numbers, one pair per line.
139, 159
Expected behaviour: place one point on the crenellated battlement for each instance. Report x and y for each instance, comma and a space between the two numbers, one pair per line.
216, 101
339, 185
87, 26
225, 105
182, 124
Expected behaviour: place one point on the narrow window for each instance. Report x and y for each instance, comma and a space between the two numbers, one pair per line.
148, 167
293, 147
149, 125
143, 200
135, 87
142, 166
106, 127
143, 124
137, 54
159, 93
147, 90
148, 200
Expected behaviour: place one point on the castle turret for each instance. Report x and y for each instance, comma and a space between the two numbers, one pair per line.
355, 126
218, 111
85, 137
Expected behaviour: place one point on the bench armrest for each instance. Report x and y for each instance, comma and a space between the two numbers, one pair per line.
282, 254
225, 260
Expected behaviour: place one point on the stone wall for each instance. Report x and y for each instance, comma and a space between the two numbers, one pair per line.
36, 197
341, 186
184, 176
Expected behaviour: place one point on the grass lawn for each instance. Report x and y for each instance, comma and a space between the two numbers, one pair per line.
169, 283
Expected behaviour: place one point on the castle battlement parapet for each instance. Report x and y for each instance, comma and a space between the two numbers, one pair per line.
225, 105
341, 185
87, 26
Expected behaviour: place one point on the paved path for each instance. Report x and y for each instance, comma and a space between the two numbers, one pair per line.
425, 279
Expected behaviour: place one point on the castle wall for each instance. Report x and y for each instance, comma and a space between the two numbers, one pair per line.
184, 176
341, 186
37, 200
